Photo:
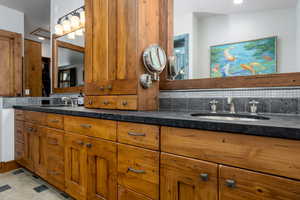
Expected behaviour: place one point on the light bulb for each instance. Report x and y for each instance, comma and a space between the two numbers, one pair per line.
71, 36
238, 2
79, 32
67, 25
59, 29
75, 21
82, 18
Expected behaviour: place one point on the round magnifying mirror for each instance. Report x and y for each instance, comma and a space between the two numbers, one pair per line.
155, 59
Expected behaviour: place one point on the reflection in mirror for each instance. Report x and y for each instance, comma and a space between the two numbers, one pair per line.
70, 61
214, 38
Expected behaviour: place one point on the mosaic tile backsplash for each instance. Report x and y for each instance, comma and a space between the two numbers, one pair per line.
271, 100
9, 102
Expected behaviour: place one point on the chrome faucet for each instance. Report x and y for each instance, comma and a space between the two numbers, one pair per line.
213, 106
253, 107
66, 100
231, 104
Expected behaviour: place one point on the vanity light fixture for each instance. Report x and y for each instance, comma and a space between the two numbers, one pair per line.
238, 2
71, 22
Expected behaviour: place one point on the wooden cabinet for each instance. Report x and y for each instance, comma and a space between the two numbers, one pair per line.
237, 184
55, 158
102, 169
188, 179
29, 130
117, 33
126, 194
39, 151
10, 63
76, 165
138, 170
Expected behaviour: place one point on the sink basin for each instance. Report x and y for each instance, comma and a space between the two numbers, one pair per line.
54, 106
230, 117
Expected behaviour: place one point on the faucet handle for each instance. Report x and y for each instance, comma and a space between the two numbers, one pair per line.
253, 106
213, 106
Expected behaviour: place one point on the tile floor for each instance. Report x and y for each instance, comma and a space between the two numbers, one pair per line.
21, 185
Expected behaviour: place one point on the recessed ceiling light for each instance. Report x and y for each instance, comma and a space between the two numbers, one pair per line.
41, 38
238, 2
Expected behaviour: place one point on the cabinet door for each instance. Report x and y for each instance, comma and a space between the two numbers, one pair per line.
29, 132
76, 165
126, 194
102, 170
236, 184
188, 179
19, 142
40, 151
110, 67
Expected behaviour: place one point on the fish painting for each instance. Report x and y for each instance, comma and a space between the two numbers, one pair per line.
248, 58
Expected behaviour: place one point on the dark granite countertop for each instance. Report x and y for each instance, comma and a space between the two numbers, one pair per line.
279, 126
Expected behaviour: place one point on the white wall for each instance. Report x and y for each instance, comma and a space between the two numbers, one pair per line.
248, 26
11, 20
298, 35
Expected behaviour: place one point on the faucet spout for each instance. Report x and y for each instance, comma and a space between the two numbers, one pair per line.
231, 104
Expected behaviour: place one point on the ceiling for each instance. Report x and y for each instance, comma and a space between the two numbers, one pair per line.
37, 13
227, 6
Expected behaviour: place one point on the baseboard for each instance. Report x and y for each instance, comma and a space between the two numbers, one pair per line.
8, 166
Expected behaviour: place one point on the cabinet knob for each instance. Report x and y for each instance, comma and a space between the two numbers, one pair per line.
124, 103
89, 145
101, 88
109, 87
204, 177
230, 183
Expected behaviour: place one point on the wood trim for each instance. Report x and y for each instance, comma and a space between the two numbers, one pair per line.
55, 45
8, 166
271, 80
166, 38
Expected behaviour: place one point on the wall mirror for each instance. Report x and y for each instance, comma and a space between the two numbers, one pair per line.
234, 43
68, 68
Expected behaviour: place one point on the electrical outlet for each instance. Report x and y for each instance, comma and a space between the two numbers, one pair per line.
27, 92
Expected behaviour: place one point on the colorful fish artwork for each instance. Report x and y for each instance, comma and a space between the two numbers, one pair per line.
244, 58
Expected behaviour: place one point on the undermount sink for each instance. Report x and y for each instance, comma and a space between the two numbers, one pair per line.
55, 105
229, 116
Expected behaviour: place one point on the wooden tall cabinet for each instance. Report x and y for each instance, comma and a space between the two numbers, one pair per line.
117, 32
10, 63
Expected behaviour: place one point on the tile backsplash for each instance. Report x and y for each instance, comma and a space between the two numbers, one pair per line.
9, 102
271, 100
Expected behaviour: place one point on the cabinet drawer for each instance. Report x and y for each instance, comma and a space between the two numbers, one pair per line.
55, 121
19, 115
55, 142
139, 135
104, 129
35, 117
249, 152
104, 102
127, 103
138, 170
126, 194
19, 131
236, 184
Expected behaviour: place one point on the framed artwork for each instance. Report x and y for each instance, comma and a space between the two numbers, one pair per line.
255, 57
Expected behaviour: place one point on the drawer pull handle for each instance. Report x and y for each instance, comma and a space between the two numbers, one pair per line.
52, 141
53, 173
80, 143
204, 177
137, 134
86, 125
230, 183
30, 129
89, 145
136, 171
124, 103
106, 103
109, 87
90, 102
54, 121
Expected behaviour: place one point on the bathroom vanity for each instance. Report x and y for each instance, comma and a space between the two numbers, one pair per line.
106, 154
